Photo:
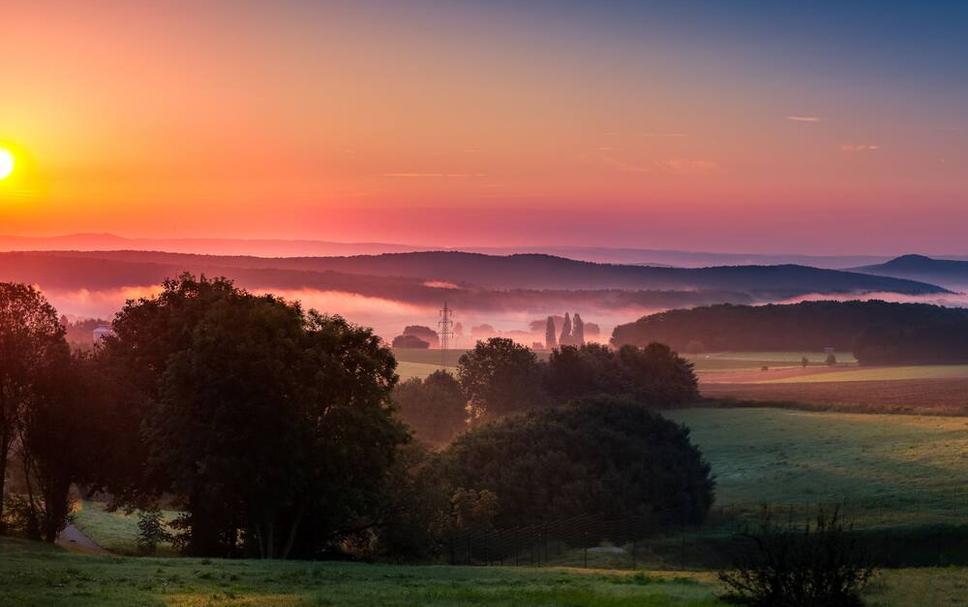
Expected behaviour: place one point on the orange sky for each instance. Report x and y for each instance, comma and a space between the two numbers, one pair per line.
465, 123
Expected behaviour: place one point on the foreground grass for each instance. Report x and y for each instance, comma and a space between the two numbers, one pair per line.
891, 469
37, 575
31, 574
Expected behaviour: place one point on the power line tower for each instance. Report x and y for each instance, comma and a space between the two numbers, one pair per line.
445, 328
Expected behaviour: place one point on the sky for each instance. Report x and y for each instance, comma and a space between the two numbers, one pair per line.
822, 127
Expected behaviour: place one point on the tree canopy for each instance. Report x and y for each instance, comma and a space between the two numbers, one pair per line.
877, 332
434, 407
32, 346
274, 425
603, 456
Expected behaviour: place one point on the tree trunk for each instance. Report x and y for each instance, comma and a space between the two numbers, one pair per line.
4, 450
291, 540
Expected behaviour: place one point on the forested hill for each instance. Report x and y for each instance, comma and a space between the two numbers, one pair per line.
947, 272
877, 332
522, 272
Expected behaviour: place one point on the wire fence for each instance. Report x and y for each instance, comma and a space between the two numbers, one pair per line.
647, 542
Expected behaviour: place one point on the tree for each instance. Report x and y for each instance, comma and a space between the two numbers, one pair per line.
58, 441
434, 407
804, 362
258, 416
152, 530
831, 360
565, 339
658, 376
551, 342
599, 456
423, 333
654, 376
410, 341
31, 340
578, 333
500, 377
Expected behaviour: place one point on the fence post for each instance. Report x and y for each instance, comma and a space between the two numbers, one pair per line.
633, 554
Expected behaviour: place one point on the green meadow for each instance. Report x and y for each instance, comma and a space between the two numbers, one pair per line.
35, 575
898, 373
890, 469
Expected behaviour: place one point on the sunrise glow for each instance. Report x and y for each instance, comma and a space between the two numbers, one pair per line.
7, 164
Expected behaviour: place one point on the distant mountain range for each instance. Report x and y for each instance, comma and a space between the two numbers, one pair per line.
950, 273
442, 270
292, 248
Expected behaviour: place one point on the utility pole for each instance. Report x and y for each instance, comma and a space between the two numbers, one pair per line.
445, 328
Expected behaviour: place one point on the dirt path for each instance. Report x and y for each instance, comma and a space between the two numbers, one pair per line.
74, 540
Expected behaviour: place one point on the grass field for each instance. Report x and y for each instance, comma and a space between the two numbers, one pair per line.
911, 389
898, 373
730, 361
115, 531
34, 575
893, 470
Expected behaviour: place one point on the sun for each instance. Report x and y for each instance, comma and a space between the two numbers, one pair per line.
6, 163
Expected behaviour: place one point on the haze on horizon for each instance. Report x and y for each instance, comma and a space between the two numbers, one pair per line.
828, 128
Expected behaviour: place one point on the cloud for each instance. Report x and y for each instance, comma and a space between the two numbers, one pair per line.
663, 134
677, 166
804, 118
431, 175
859, 147
687, 166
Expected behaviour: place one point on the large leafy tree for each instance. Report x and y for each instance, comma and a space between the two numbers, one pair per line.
272, 424
434, 407
500, 377
58, 441
654, 376
604, 457
31, 342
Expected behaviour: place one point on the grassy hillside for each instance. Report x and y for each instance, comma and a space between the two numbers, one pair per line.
893, 373
34, 575
893, 470
115, 531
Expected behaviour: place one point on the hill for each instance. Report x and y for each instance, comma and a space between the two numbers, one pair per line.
877, 332
947, 272
533, 271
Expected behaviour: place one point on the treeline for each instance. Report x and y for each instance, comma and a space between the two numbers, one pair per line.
500, 377
275, 430
877, 332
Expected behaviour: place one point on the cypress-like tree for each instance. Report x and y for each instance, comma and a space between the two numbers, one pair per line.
551, 342
565, 339
578, 334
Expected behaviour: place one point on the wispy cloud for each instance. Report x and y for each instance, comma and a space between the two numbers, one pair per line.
663, 134
859, 147
689, 166
677, 166
432, 175
799, 118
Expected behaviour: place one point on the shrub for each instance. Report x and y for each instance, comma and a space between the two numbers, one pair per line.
151, 531
790, 565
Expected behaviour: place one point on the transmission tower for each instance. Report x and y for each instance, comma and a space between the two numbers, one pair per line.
445, 328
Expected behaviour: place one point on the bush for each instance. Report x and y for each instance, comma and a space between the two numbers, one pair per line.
601, 456
789, 565
151, 531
